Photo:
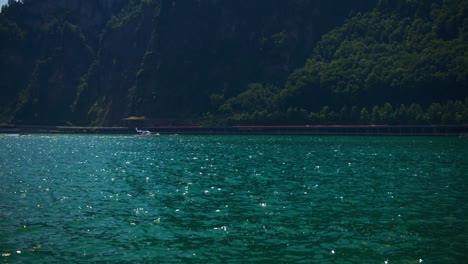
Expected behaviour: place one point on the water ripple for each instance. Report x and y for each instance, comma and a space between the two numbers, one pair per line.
81, 198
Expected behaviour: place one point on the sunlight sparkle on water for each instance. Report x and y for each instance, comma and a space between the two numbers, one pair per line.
236, 199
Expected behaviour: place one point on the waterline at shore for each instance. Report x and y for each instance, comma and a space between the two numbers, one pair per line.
390, 130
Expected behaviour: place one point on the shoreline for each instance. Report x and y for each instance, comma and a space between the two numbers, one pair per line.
358, 130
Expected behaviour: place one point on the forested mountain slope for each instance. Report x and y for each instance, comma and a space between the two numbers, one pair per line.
405, 62
94, 62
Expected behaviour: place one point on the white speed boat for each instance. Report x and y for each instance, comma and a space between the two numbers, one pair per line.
145, 133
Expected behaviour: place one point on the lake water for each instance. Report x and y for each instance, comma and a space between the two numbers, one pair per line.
233, 199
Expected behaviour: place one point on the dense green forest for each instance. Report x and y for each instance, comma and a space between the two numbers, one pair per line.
95, 62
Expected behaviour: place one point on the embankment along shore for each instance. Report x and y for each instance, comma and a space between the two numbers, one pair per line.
377, 130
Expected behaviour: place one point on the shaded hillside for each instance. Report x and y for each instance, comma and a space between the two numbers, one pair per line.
98, 61
46, 47
399, 54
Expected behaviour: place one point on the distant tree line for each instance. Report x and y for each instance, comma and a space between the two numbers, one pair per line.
448, 113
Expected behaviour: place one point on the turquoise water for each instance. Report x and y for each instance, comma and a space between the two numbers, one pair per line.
234, 199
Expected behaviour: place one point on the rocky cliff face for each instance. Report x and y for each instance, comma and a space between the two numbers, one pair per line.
90, 15
160, 55
47, 48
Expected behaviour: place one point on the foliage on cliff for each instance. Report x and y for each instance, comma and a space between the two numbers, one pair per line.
257, 62
401, 53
